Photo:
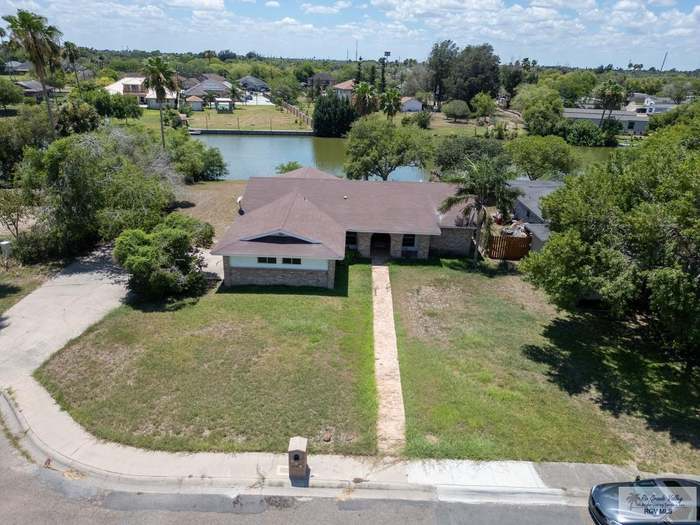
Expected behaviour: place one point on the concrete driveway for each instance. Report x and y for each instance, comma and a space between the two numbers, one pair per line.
58, 311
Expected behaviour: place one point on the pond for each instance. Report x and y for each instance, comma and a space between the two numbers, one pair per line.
257, 156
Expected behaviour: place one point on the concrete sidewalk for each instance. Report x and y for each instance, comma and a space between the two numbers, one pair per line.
84, 292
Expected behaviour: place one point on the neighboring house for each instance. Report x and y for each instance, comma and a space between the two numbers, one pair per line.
250, 83
135, 86
196, 103
211, 87
293, 228
32, 88
527, 208
321, 81
411, 105
632, 122
344, 89
13, 67
186, 83
649, 105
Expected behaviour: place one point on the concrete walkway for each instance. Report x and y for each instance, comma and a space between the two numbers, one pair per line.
391, 420
84, 292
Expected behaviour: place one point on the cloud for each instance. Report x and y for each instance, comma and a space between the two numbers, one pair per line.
320, 9
197, 4
272, 3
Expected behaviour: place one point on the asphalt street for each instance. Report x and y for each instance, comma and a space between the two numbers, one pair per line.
33, 495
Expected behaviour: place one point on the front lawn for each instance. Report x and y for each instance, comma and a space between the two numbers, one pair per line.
17, 281
491, 371
240, 370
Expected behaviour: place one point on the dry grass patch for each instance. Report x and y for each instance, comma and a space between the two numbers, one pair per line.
214, 202
17, 281
491, 371
236, 371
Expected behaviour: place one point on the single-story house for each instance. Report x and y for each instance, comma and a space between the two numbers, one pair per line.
344, 89
13, 67
250, 83
32, 88
196, 103
217, 88
293, 228
649, 104
135, 86
527, 208
411, 105
632, 122
320, 81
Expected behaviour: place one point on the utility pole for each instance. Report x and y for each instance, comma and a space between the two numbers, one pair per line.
382, 79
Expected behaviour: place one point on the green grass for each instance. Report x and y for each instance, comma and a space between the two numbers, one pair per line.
236, 371
491, 371
18, 281
243, 117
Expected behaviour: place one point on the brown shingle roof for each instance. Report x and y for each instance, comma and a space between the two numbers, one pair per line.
317, 209
307, 172
290, 225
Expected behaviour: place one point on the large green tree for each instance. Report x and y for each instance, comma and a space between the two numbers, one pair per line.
537, 157
626, 233
440, 63
376, 147
9, 93
41, 43
333, 115
541, 108
161, 78
475, 70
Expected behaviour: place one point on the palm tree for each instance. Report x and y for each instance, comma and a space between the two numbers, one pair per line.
71, 53
481, 181
160, 77
235, 91
41, 42
209, 55
611, 95
390, 102
365, 100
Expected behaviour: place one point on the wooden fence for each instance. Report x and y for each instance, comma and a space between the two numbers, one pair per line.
299, 114
509, 247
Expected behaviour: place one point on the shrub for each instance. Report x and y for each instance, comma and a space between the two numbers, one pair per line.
456, 109
195, 161
584, 133
453, 152
76, 117
166, 262
420, 119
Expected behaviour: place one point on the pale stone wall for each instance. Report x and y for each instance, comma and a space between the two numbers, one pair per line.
364, 241
395, 248
452, 241
423, 243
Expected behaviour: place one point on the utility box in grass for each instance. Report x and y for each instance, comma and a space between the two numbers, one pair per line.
298, 460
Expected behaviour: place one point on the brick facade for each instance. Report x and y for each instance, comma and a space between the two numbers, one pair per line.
238, 276
453, 241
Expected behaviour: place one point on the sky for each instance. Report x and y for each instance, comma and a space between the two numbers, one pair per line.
555, 32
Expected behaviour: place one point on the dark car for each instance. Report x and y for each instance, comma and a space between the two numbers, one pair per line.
645, 501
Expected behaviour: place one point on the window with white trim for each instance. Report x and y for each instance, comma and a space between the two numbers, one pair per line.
291, 260
408, 241
267, 260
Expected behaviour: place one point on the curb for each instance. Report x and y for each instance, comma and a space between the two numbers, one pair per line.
43, 454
